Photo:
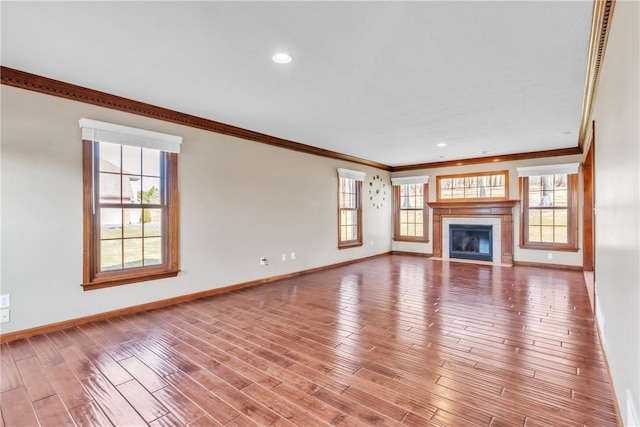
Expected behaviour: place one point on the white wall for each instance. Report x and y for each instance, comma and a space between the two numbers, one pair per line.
525, 255
617, 186
239, 200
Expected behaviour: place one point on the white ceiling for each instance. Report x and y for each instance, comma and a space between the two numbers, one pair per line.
383, 81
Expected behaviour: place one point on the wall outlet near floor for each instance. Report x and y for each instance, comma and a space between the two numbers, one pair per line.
263, 261
5, 301
5, 315
293, 255
549, 255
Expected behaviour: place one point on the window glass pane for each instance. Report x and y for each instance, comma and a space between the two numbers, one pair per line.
150, 190
535, 234
403, 229
546, 217
535, 198
497, 192
534, 216
132, 229
458, 193
560, 217
110, 223
560, 197
152, 227
131, 160
130, 188
110, 255
110, 188
109, 157
446, 194
152, 251
343, 217
352, 217
470, 193
411, 230
561, 235
150, 162
132, 253
547, 234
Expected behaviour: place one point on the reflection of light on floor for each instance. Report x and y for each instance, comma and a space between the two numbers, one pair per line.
348, 311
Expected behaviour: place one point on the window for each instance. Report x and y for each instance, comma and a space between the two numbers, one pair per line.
485, 185
549, 207
409, 209
130, 204
349, 208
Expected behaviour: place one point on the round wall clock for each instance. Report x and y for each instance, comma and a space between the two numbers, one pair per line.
377, 191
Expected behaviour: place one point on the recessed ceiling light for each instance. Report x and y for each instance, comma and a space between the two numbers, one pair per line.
282, 58
441, 144
484, 152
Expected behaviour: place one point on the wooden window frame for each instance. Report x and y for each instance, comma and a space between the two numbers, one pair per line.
345, 244
397, 208
572, 218
95, 279
474, 174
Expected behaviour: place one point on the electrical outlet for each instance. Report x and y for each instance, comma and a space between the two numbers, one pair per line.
284, 257
5, 301
5, 315
549, 255
263, 261
293, 255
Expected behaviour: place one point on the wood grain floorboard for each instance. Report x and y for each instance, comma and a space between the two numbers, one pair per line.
390, 341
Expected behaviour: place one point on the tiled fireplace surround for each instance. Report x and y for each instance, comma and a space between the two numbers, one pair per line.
498, 214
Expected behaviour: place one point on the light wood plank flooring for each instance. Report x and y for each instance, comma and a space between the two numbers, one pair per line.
396, 340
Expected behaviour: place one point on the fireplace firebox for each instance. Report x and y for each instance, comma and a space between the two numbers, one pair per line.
471, 242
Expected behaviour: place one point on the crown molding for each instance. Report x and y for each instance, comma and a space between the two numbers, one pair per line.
600, 26
33, 82
45, 85
494, 159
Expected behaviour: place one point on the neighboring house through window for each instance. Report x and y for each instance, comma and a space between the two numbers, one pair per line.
349, 208
549, 200
130, 204
410, 212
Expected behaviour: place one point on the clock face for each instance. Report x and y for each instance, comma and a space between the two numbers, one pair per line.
377, 191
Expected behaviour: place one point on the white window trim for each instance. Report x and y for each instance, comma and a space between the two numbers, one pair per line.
568, 168
348, 173
424, 179
94, 130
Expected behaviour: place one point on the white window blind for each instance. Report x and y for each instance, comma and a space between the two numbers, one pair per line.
348, 173
568, 168
93, 130
424, 179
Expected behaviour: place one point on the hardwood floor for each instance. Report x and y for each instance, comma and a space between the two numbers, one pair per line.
396, 340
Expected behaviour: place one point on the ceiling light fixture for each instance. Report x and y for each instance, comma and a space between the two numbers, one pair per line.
282, 58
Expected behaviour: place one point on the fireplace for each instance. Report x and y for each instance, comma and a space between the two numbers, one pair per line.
496, 213
471, 242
